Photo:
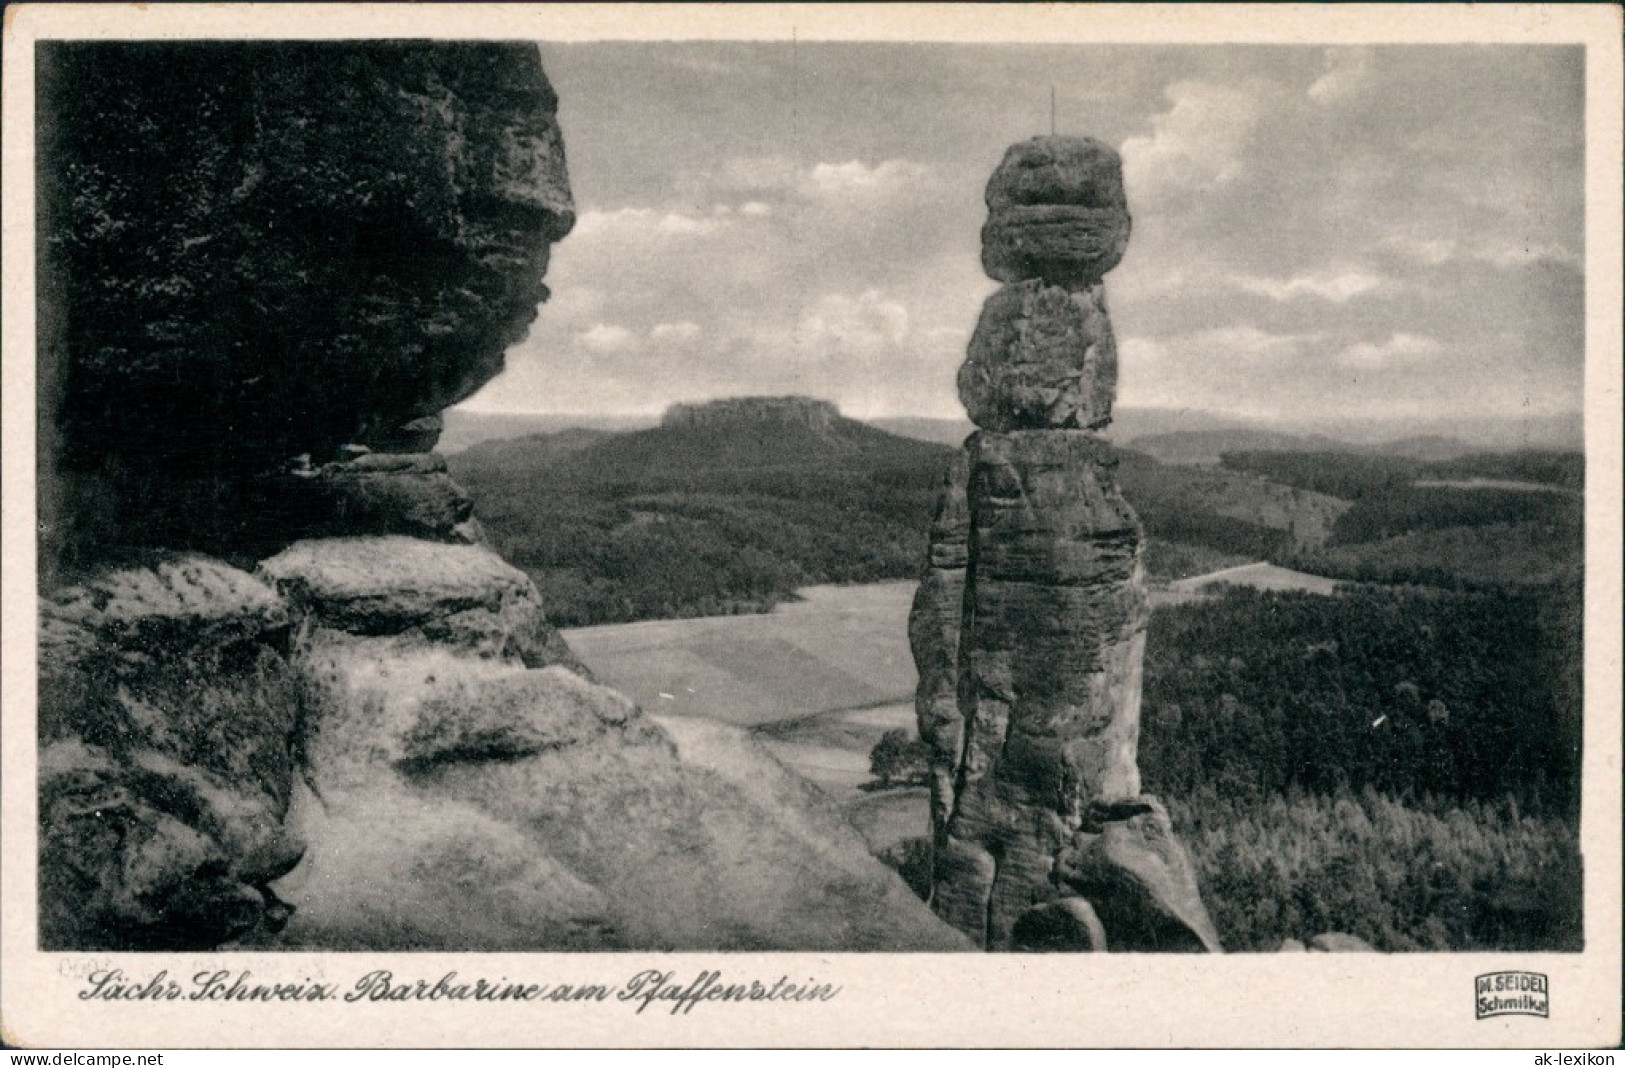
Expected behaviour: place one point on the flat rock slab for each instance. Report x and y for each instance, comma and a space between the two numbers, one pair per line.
122, 869
555, 816
462, 801
383, 585
373, 493
456, 596
185, 658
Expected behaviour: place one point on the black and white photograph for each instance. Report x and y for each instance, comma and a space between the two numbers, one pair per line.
748, 517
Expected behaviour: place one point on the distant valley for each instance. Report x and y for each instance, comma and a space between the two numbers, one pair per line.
696, 519
735, 508
1386, 639
1174, 435
467, 428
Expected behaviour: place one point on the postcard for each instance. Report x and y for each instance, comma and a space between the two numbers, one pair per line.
895, 525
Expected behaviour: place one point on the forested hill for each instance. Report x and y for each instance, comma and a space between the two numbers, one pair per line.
723, 509
1485, 520
691, 452
728, 507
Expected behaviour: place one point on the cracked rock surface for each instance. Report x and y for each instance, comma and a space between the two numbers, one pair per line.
1028, 627
266, 249
466, 792
288, 699
169, 723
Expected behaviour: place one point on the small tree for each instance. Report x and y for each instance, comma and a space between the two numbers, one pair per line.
898, 757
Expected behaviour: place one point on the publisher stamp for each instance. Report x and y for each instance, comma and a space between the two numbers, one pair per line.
1511, 994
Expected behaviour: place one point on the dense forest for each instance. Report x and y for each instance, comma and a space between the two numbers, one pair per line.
1481, 521
1399, 762
1428, 874
1416, 508
1410, 692
1400, 765
1353, 476
1481, 557
675, 522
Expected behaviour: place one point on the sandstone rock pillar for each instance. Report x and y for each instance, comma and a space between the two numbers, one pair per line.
1029, 624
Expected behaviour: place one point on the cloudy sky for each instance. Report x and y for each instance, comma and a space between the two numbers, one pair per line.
1318, 232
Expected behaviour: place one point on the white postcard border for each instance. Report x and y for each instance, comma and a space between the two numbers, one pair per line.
1336, 1000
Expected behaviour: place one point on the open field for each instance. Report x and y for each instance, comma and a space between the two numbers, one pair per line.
1494, 483
832, 748
839, 647
1379, 706
819, 680
1255, 576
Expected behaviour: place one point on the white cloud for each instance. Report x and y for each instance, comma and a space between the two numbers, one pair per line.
1337, 288
855, 179
607, 337
1270, 231
1246, 343
678, 223
1432, 252
1502, 252
1197, 142
1399, 348
681, 332
1232, 363
757, 186
1347, 72
743, 176
591, 224
574, 303
832, 272
631, 223
1512, 255
867, 325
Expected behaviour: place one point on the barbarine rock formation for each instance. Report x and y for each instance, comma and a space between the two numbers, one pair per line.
288, 699
1029, 624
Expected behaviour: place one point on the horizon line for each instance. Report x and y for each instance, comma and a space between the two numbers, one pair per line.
652, 412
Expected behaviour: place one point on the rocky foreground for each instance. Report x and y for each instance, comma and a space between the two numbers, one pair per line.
379, 743
288, 698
